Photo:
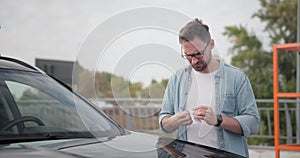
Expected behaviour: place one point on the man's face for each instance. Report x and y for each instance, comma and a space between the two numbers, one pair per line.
197, 53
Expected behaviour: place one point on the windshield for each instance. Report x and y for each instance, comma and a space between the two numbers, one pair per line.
35, 106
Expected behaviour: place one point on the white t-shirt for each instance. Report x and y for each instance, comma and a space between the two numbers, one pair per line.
202, 92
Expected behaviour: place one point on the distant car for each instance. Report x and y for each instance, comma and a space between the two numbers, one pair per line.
42, 117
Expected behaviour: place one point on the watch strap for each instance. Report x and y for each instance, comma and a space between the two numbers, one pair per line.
219, 120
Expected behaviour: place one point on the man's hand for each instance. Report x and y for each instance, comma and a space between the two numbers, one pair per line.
170, 123
209, 116
182, 119
205, 113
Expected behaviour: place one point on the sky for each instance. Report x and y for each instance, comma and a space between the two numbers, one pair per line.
136, 39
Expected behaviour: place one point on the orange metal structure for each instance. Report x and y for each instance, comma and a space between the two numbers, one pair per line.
291, 47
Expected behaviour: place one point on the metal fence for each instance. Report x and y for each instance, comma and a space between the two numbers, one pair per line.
144, 118
142, 115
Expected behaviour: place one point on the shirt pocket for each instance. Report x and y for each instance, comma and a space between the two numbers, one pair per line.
229, 107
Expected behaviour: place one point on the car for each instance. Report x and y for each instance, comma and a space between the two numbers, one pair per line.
41, 116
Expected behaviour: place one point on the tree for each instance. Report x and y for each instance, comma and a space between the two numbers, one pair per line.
135, 89
247, 52
280, 17
33, 94
248, 55
85, 86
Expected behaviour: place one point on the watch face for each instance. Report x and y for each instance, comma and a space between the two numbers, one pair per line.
219, 119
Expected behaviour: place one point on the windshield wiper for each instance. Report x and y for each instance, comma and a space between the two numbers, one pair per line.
53, 136
41, 136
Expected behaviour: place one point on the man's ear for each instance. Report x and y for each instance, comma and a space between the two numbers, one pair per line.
212, 44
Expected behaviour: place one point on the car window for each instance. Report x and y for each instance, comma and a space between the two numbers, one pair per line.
34, 103
5, 113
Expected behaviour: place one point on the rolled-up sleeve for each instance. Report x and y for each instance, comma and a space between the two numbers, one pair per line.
168, 102
248, 115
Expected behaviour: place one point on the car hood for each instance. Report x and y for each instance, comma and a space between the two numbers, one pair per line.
131, 145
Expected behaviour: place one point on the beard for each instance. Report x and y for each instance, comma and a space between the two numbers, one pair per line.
202, 66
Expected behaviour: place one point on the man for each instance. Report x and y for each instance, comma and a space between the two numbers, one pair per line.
209, 102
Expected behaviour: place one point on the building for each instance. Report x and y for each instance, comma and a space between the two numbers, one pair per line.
62, 70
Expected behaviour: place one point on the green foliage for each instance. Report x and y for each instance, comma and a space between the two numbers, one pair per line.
281, 24
135, 89
103, 84
280, 17
33, 94
107, 85
239, 35
155, 90
248, 54
85, 80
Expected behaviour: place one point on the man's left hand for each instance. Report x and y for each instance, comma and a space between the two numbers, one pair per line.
205, 113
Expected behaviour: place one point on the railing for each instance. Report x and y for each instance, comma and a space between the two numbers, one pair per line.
145, 118
288, 121
142, 115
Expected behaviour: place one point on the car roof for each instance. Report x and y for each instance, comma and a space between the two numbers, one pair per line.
16, 64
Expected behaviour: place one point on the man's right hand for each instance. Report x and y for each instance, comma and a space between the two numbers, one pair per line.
170, 123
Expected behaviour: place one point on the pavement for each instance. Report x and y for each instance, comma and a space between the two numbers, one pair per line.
269, 152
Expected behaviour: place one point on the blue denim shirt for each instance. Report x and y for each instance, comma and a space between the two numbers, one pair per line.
234, 98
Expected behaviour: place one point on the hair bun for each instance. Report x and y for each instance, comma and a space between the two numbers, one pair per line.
201, 23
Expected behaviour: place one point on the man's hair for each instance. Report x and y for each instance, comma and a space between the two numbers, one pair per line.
194, 29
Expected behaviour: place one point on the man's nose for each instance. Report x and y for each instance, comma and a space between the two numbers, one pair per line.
195, 60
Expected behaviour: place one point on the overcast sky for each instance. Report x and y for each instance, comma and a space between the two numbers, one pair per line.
59, 29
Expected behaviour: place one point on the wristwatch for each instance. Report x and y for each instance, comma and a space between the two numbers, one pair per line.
219, 120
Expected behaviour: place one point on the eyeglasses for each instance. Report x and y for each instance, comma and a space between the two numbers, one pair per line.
195, 55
